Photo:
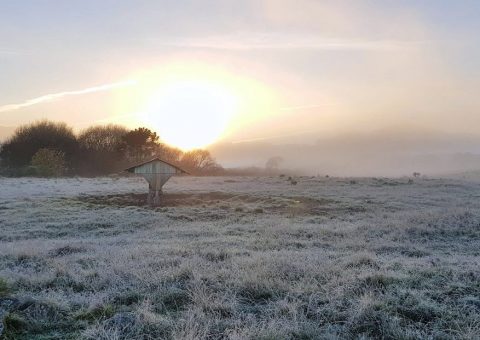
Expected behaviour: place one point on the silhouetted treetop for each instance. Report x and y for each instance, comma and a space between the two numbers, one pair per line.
106, 138
98, 150
28, 139
101, 150
199, 162
140, 137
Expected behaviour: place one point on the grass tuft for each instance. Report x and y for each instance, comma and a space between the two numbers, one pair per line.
5, 289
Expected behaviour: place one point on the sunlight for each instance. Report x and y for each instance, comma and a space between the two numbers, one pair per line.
193, 104
190, 113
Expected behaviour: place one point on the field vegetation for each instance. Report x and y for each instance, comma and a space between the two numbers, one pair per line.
240, 258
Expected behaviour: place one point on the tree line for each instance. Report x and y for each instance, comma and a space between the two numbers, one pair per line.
48, 148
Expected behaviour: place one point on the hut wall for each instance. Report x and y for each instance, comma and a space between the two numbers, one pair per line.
156, 167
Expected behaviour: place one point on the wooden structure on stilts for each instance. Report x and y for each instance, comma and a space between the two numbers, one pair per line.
157, 172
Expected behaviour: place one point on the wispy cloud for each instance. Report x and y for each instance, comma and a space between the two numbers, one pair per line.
115, 119
255, 41
54, 96
303, 107
9, 52
278, 136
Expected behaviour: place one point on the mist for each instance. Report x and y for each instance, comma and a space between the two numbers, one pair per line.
388, 152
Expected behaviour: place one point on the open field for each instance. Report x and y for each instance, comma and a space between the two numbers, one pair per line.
240, 258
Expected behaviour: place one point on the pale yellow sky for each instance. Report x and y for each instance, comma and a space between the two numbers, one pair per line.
243, 71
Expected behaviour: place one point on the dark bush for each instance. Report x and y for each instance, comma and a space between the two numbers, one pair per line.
28, 139
48, 163
100, 150
51, 149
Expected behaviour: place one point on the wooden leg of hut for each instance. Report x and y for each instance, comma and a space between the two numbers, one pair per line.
151, 196
156, 200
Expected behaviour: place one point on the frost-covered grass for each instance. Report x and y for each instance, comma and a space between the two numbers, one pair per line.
241, 258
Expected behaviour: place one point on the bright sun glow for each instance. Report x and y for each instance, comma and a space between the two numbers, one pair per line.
193, 104
190, 113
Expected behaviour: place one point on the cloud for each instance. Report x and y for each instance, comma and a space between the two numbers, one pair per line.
256, 41
272, 137
5, 52
53, 96
303, 107
10, 52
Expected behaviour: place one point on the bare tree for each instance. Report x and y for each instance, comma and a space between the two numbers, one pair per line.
200, 162
168, 153
101, 149
102, 138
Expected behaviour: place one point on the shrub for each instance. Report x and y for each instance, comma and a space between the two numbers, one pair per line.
49, 163
29, 139
101, 149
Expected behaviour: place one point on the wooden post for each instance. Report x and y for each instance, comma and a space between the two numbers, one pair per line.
156, 199
150, 197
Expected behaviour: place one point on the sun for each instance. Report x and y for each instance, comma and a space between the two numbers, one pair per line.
191, 113
195, 103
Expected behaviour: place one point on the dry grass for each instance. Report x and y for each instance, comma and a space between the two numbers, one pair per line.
249, 258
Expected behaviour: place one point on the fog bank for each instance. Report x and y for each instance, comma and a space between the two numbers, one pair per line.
383, 153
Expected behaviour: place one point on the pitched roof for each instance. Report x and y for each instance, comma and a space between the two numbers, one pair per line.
132, 168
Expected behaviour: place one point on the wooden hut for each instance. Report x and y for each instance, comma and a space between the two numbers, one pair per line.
157, 172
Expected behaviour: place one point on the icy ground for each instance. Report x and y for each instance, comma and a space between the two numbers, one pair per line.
241, 258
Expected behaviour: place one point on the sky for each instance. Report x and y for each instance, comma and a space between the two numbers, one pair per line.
243, 71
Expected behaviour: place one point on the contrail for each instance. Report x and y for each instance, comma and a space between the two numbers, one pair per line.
53, 96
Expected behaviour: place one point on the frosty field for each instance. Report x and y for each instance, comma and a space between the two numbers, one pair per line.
240, 258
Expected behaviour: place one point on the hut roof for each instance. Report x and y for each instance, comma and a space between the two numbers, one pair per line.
132, 168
